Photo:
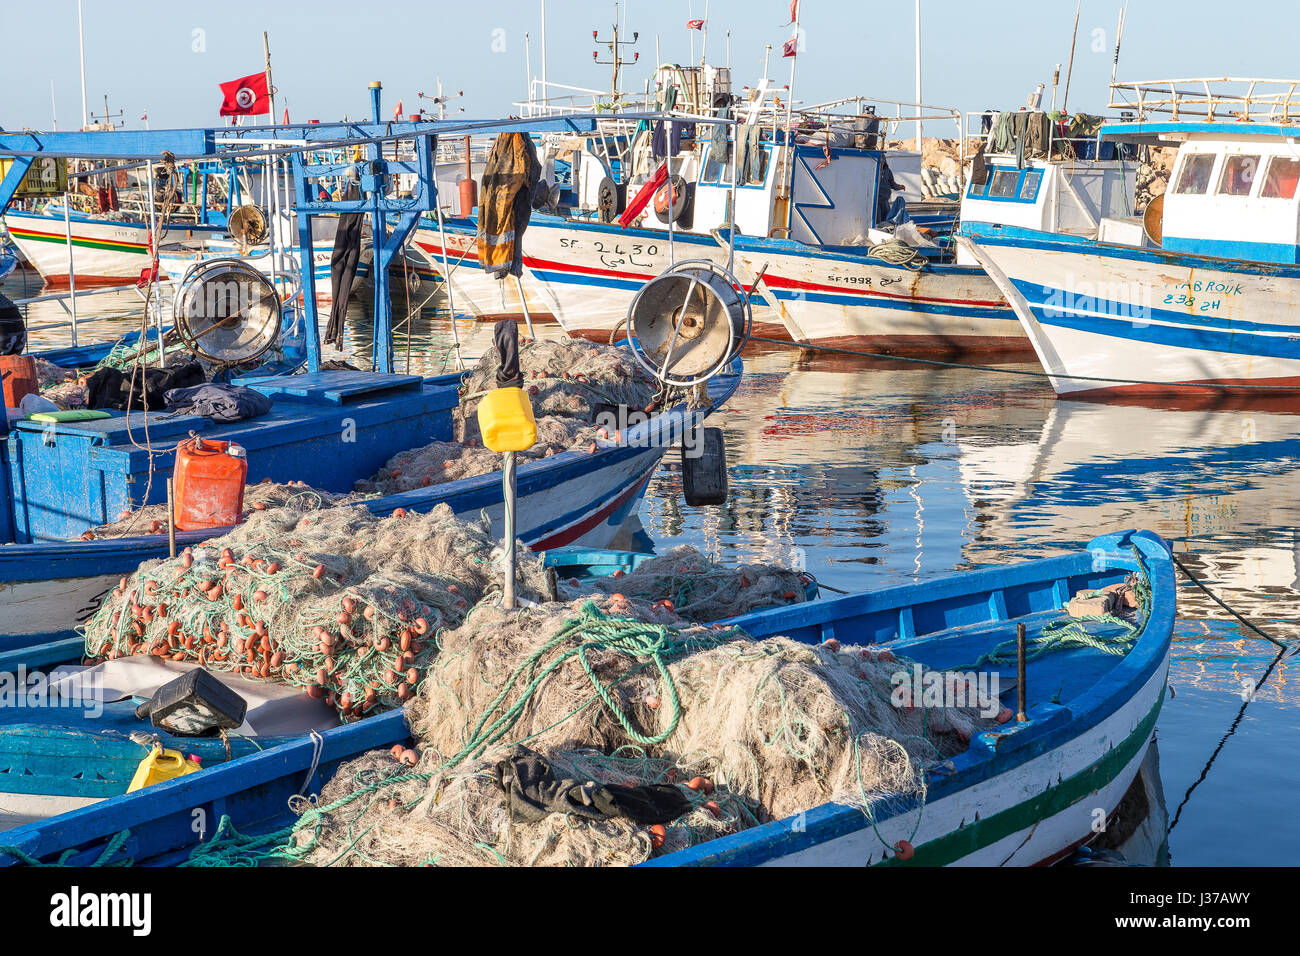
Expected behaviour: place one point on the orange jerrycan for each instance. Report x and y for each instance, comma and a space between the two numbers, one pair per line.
21, 379
209, 483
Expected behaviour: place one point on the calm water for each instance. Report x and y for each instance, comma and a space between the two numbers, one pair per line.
887, 473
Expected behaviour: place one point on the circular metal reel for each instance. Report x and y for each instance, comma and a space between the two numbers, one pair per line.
227, 312
247, 226
685, 325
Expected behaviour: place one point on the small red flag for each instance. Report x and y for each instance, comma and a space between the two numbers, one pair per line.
144, 115
794, 11
695, 24
790, 47
397, 112
285, 121
246, 96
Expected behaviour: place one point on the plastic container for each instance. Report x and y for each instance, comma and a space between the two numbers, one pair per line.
162, 765
468, 196
20, 380
505, 417
209, 484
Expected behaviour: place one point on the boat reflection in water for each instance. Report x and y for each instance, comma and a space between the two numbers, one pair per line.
876, 474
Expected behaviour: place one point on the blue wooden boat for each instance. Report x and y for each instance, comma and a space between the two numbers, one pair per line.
1028, 792
47, 587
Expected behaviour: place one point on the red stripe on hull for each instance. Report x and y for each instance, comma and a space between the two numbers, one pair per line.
60, 283
1195, 396
577, 530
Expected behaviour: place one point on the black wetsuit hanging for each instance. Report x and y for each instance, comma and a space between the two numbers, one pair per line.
343, 266
13, 330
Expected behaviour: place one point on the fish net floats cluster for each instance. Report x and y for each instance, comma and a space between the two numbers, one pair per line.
747, 730
349, 605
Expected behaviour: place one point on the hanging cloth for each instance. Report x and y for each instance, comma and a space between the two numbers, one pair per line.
343, 266
510, 177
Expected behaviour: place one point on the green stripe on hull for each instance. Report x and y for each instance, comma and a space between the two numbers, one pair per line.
974, 836
105, 244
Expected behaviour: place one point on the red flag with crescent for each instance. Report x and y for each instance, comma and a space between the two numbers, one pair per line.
246, 96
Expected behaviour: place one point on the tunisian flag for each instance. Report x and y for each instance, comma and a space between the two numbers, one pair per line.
246, 96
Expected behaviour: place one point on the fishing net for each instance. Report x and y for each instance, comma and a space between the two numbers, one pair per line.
339, 602
752, 730
690, 586
297, 496
565, 381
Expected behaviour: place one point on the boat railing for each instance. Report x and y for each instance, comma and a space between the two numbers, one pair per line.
1212, 98
67, 302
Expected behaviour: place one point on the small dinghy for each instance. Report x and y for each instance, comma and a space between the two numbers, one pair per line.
1030, 789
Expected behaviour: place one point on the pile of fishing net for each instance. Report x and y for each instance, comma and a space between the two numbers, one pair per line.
297, 496
689, 585
565, 382
65, 387
340, 602
746, 731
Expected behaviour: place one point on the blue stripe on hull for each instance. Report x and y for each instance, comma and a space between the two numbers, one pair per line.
1111, 318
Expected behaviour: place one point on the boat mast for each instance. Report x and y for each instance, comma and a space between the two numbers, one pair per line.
81, 44
920, 132
270, 90
545, 90
1069, 72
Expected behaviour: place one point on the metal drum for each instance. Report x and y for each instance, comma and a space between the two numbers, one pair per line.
689, 322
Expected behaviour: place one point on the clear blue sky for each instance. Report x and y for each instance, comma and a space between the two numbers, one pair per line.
167, 57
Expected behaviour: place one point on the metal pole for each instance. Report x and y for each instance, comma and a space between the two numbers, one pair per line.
72, 270
920, 132
523, 304
153, 270
81, 44
270, 90
1069, 72
171, 516
446, 284
1020, 671
508, 489
545, 89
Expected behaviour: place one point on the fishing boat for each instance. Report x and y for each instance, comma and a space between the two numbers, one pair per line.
1195, 295
332, 427
1030, 791
810, 240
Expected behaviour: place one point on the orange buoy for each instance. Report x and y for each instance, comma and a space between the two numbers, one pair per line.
209, 484
904, 850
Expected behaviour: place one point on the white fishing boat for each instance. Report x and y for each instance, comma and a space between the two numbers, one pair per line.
810, 211
1197, 295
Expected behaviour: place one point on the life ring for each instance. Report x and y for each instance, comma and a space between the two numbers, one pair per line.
674, 192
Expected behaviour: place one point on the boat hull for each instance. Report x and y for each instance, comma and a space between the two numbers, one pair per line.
587, 275
1110, 320
104, 252
574, 498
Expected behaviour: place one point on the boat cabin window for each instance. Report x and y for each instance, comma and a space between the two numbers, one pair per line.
1194, 177
1029, 187
1283, 175
1005, 183
717, 171
1238, 175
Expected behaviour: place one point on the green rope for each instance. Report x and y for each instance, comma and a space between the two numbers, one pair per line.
110, 850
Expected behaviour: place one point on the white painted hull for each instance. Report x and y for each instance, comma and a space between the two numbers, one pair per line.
103, 252
587, 278
1103, 323
475, 293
